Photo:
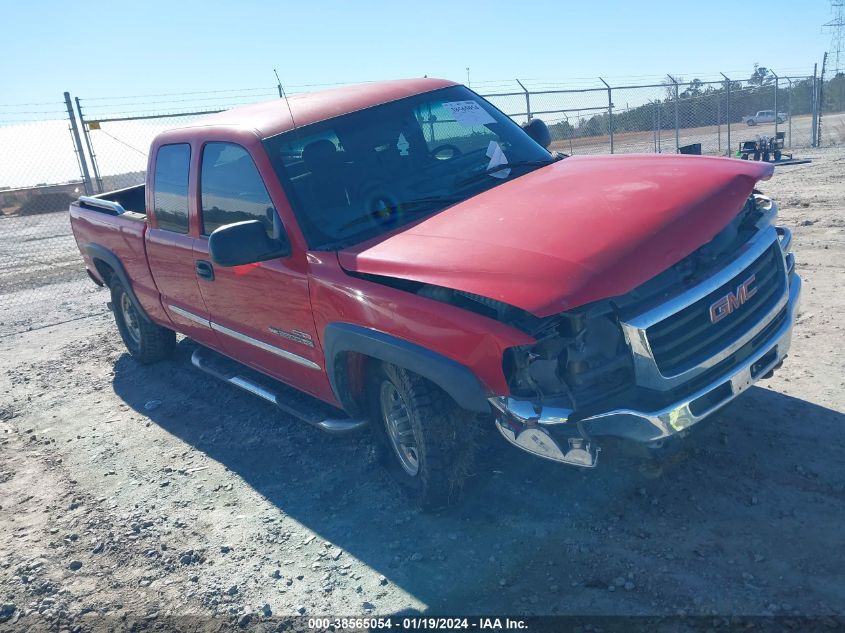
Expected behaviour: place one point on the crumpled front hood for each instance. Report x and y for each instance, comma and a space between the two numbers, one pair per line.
582, 229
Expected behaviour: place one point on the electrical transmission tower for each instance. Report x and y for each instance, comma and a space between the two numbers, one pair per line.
837, 35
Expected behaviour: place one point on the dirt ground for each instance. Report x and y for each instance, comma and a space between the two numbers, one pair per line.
133, 494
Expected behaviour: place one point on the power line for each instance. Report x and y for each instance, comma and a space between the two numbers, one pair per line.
209, 92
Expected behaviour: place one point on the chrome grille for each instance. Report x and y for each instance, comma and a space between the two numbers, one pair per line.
688, 337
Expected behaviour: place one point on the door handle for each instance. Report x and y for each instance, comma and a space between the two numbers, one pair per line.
204, 269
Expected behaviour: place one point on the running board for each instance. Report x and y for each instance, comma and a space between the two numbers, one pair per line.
288, 399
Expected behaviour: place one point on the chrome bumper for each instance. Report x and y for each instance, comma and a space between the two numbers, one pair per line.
557, 434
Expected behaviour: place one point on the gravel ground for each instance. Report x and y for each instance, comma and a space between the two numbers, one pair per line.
41, 280
142, 493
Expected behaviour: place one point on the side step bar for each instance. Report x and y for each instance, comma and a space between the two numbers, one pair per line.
288, 399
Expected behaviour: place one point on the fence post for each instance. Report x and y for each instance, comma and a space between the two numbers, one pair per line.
815, 105
677, 123
718, 124
659, 131
789, 110
609, 112
87, 133
654, 127
728, 108
77, 142
820, 107
777, 81
527, 99
569, 127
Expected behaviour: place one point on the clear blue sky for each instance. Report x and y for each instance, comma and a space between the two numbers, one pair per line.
122, 48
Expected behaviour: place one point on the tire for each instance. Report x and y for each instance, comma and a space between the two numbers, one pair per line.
777, 155
146, 341
751, 122
439, 448
766, 157
756, 155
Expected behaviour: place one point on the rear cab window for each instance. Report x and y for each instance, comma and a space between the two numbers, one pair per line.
170, 198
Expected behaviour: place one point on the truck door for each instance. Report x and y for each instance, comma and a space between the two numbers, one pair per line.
261, 312
170, 245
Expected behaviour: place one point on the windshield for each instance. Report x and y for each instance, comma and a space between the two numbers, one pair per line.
357, 176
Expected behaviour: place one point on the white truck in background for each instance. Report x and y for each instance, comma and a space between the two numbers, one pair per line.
765, 116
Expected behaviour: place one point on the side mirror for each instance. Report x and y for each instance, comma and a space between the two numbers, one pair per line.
539, 131
245, 243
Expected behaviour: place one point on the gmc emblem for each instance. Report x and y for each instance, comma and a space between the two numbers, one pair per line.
723, 306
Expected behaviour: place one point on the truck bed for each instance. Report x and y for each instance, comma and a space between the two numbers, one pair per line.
117, 202
115, 222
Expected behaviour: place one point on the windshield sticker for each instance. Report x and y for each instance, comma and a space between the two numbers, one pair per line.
497, 157
468, 113
402, 145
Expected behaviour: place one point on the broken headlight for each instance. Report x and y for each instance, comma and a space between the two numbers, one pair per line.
766, 207
579, 356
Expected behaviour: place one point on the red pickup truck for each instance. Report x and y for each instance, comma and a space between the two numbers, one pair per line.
403, 256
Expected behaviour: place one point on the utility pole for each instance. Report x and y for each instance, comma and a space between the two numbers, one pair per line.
837, 35
468, 85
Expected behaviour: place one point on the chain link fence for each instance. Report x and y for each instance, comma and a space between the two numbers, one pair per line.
40, 174
713, 117
76, 146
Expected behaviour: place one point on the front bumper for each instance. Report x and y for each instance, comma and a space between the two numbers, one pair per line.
559, 434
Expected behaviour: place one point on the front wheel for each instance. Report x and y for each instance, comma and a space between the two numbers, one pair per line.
146, 341
424, 442
751, 122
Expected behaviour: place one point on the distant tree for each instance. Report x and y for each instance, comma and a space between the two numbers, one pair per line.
562, 129
595, 126
694, 89
670, 86
761, 76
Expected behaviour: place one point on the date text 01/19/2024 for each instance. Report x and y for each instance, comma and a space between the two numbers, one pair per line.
419, 623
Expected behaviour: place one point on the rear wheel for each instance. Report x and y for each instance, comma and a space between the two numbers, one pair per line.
424, 442
146, 341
